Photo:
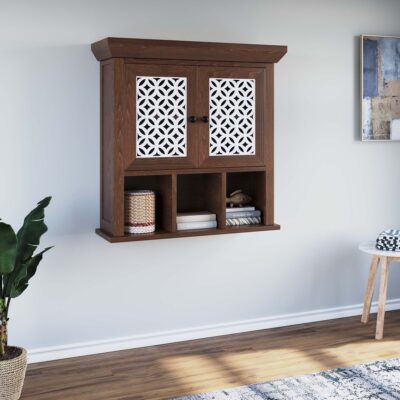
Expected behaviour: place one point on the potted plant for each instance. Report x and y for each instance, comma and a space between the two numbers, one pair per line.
18, 264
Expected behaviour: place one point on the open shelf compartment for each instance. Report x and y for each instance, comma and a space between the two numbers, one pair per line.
182, 191
163, 186
253, 184
202, 192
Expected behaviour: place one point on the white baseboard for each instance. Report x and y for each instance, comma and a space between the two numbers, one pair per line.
180, 335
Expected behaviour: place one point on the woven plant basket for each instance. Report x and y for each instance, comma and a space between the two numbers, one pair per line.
140, 211
12, 376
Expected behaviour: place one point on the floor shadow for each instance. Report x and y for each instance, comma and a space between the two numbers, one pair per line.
207, 365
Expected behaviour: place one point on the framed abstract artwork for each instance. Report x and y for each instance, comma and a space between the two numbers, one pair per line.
380, 88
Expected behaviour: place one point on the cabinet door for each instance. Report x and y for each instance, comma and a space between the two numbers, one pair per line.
232, 108
157, 130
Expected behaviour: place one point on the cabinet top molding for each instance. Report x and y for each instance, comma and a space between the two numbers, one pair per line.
184, 50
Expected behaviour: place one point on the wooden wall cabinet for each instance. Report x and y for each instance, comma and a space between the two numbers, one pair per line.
192, 121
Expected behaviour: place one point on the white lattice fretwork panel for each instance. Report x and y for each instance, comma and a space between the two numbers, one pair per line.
160, 117
232, 117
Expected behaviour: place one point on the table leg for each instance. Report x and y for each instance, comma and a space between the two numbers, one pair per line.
382, 298
370, 289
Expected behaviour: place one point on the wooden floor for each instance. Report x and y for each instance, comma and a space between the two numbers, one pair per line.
166, 371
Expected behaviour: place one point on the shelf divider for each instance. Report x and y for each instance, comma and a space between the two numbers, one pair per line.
170, 222
221, 216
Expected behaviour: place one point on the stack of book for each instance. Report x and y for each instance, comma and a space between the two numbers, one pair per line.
242, 216
196, 220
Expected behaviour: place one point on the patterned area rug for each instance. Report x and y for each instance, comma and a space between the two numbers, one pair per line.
378, 380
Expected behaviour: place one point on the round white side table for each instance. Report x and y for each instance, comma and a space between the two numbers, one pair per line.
385, 258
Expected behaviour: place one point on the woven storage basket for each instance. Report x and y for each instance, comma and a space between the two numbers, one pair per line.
140, 211
12, 376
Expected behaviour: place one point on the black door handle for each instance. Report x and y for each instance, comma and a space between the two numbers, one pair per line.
193, 119
205, 119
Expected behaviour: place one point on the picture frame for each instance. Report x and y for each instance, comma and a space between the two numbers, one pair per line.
380, 88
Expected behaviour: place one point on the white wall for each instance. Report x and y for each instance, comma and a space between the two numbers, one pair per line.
332, 191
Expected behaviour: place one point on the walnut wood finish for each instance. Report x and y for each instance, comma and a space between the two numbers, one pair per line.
184, 50
178, 369
175, 179
269, 214
165, 188
192, 190
162, 234
204, 74
252, 183
133, 163
112, 179
194, 171
183, 192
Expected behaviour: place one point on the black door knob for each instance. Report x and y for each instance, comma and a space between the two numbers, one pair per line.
193, 119
205, 118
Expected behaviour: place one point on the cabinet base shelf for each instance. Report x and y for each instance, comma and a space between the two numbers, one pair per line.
161, 234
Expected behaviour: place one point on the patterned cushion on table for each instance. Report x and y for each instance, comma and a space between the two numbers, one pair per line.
389, 240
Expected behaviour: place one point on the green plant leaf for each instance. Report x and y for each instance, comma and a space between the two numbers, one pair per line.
28, 237
20, 277
18, 291
8, 248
